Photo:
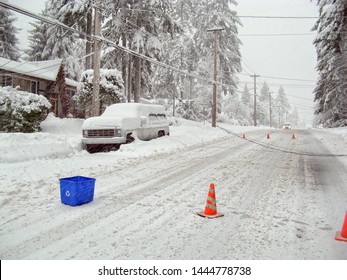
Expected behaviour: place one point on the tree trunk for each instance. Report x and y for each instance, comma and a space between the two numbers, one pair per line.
190, 88
89, 44
129, 77
124, 67
137, 85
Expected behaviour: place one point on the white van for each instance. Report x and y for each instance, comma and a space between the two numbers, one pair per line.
286, 126
119, 122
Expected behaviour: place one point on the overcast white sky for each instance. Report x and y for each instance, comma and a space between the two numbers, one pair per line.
290, 56
285, 56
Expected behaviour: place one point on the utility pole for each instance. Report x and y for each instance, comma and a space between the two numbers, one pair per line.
255, 98
214, 98
270, 108
96, 60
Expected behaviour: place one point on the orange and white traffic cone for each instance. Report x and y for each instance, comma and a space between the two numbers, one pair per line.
211, 205
293, 136
342, 235
268, 136
244, 136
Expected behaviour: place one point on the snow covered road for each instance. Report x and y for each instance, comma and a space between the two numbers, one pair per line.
277, 205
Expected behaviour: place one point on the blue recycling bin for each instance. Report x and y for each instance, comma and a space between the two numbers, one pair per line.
77, 190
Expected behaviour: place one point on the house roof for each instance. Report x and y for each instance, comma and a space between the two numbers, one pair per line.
46, 70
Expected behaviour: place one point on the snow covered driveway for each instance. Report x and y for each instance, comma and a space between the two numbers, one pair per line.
277, 205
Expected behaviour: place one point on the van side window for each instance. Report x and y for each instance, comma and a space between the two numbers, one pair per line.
153, 118
162, 117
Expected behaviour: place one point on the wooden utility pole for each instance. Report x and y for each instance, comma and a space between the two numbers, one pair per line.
214, 97
96, 60
255, 98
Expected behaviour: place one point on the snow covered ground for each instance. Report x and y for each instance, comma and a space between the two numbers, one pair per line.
277, 205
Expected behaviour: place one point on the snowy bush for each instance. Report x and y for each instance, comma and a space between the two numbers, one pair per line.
192, 110
174, 122
21, 111
111, 88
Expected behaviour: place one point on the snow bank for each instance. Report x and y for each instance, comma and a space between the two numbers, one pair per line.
62, 138
335, 139
186, 134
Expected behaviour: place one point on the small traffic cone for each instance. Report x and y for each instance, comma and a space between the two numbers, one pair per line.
244, 136
211, 205
342, 235
293, 136
268, 136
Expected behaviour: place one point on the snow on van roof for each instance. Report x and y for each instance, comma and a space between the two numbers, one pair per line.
133, 109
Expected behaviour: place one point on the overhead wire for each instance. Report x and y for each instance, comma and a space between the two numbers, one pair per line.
109, 42
277, 34
280, 149
156, 62
277, 17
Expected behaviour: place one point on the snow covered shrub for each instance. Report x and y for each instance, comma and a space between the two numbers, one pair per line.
21, 111
111, 88
222, 117
174, 122
191, 110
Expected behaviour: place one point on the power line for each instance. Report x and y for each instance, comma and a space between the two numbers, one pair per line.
284, 85
277, 34
278, 17
282, 150
288, 79
156, 62
109, 42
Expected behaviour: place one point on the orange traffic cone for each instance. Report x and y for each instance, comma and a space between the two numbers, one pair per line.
211, 205
268, 136
293, 136
342, 235
244, 136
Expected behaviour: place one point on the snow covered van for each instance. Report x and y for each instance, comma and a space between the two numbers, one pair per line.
119, 122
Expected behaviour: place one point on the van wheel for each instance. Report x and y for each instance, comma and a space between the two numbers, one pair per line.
92, 148
161, 133
129, 138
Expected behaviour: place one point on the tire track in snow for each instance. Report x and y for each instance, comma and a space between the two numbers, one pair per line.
31, 239
126, 235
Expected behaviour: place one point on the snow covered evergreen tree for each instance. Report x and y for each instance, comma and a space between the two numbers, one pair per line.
178, 51
263, 108
294, 118
331, 45
246, 106
8, 39
282, 107
246, 96
193, 50
111, 89
49, 41
38, 37
136, 25
209, 14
